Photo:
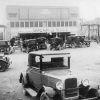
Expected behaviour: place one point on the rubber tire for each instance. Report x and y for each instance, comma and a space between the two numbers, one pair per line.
44, 96
3, 66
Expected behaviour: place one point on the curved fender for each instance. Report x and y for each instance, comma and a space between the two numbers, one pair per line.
50, 91
23, 75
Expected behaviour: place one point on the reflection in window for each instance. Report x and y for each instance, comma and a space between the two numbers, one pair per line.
70, 23
54, 24
62, 23
66, 23
58, 23
31, 24
36, 23
49, 24
17, 24
21, 24
11, 24
26, 24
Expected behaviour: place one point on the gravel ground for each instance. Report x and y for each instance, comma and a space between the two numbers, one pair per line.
85, 63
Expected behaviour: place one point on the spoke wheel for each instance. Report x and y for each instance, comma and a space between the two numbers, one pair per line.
44, 96
3, 66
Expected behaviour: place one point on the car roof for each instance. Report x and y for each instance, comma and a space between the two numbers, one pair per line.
47, 52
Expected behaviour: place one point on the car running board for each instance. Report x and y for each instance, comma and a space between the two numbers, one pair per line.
31, 92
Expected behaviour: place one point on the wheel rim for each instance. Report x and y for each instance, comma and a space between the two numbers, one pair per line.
44, 96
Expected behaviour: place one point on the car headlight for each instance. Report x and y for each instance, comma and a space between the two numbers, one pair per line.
85, 82
59, 85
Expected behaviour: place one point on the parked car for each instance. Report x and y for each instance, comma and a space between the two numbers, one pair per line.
4, 62
4, 46
49, 76
77, 41
29, 45
56, 43
41, 45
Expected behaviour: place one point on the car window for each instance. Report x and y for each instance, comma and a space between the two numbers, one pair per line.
52, 61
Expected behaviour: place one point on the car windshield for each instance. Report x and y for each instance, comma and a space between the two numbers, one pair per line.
53, 61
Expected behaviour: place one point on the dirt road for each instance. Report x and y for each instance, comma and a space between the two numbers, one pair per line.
85, 63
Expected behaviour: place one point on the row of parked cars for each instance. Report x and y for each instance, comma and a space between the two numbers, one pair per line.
55, 43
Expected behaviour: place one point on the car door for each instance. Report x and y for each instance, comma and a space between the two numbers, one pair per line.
35, 74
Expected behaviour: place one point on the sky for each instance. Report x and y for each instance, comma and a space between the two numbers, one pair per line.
88, 9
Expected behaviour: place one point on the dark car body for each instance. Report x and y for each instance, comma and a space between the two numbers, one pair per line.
4, 62
56, 43
4, 46
29, 45
77, 41
50, 76
41, 43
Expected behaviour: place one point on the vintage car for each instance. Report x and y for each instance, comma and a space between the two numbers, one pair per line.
56, 43
77, 41
4, 46
41, 43
50, 77
4, 62
29, 45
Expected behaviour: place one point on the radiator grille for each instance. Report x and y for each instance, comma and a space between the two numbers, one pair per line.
71, 89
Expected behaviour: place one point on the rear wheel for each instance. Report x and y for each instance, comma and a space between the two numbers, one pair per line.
3, 66
44, 96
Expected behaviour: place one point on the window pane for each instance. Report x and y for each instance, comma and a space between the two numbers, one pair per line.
66, 23
36, 23
26, 24
11, 24
70, 23
58, 24
21, 24
62, 23
74, 23
17, 24
54, 24
40, 24
49, 24
31, 24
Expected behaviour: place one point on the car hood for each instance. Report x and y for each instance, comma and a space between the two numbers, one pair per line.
59, 74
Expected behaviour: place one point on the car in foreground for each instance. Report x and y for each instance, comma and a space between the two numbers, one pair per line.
49, 75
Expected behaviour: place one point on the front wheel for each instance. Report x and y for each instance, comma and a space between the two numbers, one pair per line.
3, 66
44, 96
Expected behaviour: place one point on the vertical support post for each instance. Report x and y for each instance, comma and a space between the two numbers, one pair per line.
69, 62
98, 30
41, 64
89, 32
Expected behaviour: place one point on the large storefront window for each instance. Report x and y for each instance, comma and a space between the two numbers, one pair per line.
49, 24
62, 23
36, 23
54, 24
66, 23
21, 24
40, 24
58, 23
26, 24
31, 24
17, 24
11, 24
74, 23
70, 23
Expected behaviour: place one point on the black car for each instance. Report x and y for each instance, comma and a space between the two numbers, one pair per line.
4, 46
29, 45
4, 62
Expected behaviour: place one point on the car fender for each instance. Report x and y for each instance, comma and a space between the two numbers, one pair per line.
49, 91
24, 76
3, 61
